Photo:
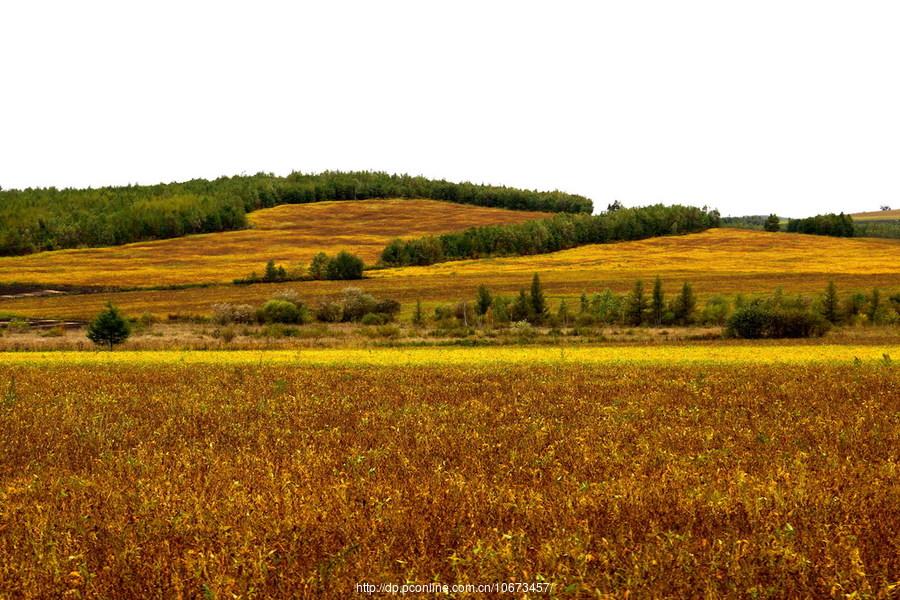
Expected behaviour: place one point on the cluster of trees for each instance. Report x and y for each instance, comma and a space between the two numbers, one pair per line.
549, 235
343, 266
36, 219
286, 307
831, 224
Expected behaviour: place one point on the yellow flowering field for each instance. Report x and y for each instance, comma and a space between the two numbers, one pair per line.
506, 355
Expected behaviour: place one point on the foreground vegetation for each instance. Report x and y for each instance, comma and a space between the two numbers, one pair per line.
284, 481
33, 220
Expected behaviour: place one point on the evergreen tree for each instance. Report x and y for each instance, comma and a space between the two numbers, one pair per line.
563, 313
483, 300
345, 266
583, 306
418, 317
108, 328
658, 303
522, 309
830, 308
637, 304
685, 305
538, 302
773, 223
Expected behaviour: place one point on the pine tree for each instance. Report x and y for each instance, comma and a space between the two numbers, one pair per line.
874, 306
538, 302
830, 308
685, 305
418, 317
637, 304
521, 309
583, 308
108, 328
658, 304
563, 313
483, 300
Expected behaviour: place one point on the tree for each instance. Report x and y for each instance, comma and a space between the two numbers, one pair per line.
685, 305
418, 317
874, 306
616, 205
318, 267
773, 223
521, 309
483, 300
637, 304
658, 305
108, 328
583, 304
538, 302
563, 313
345, 266
830, 308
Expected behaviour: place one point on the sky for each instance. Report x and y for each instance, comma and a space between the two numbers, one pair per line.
749, 107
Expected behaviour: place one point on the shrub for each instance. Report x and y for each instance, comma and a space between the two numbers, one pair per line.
766, 320
373, 319
330, 311
225, 313
357, 303
716, 311
108, 328
288, 295
279, 311
387, 307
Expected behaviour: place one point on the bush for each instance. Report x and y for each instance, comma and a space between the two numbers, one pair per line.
716, 311
764, 320
374, 319
330, 311
224, 313
279, 311
357, 304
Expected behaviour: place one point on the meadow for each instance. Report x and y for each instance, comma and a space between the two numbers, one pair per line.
877, 215
289, 234
245, 478
718, 261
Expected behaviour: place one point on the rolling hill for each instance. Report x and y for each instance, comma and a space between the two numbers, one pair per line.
877, 215
290, 234
727, 261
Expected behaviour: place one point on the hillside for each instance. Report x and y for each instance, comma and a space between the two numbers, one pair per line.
289, 234
727, 261
877, 215
38, 219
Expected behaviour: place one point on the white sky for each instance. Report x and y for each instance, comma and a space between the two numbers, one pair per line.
751, 107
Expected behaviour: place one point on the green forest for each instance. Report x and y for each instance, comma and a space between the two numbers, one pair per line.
549, 235
38, 219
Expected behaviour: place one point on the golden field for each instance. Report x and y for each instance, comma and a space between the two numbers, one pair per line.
281, 481
727, 261
674, 354
290, 234
877, 215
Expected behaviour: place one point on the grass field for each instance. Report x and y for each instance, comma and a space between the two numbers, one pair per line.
877, 215
727, 261
289, 234
276, 480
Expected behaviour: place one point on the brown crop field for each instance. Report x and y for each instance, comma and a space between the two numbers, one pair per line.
726, 261
877, 215
233, 481
289, 234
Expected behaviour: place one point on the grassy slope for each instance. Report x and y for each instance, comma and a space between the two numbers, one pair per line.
717, 261
290, 234
877, 215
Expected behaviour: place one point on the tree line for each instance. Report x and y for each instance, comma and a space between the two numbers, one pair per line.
829, 224
38, 219
558, 232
